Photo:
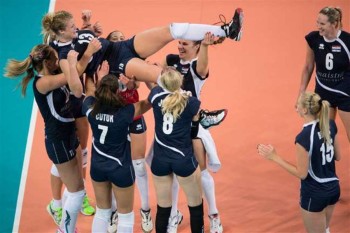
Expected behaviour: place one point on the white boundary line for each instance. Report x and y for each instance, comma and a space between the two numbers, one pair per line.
27, 154
25, 168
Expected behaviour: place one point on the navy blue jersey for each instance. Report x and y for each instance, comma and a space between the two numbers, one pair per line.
321, 179
172, 139
110, 131
55, 108
332, 59
80, 44
193, 82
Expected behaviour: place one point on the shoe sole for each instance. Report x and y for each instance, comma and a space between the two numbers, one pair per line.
86, 214
226, 111
48, 209
241, 17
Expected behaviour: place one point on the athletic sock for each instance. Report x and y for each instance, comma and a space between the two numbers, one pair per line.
208, 187
195, 32
101, 220
196, 218
142, 182
174, 197
162, 219
71, 209
126, 222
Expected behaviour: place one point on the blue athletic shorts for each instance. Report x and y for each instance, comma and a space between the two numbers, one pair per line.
122, 52
313, 204
182, 167
61, 151
336, 100
104, 169
138, 126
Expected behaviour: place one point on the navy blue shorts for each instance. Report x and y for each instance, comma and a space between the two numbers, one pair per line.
336, 100
61, 151
313, 204
122, 53
183, 167
77, 104
138, 126
103, 169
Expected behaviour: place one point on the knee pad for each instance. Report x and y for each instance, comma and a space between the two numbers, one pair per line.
139, 167
103, 214
177, 30
84, 157
54, 171
126, 220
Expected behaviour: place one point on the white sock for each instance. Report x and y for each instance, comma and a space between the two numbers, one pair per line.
114, 203
174, 197
101, 220
126, 222
142, 181
188, 31
64, 196
57, 204
208, 187
70, 210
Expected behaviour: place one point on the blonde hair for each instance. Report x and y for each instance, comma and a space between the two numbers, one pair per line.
176, 101
320, 109
334, 15
52, 23
34, 62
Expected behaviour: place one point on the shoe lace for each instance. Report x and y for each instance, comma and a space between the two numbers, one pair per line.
222, 21
215, 222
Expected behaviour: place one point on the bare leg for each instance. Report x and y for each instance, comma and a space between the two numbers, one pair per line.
329, 213
82, 125
138, 145
142, 70
125, 198
332, 113
200, 153
163, 186
103, 200
315, 222
192, 187
103, 193
345, 118
56, 187
150, 41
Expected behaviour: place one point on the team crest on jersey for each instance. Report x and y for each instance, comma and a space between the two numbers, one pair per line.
121, 66
336, 48
321, 46
138, 127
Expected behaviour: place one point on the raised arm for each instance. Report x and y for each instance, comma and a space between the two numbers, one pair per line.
73, 79
93, 47
203, 59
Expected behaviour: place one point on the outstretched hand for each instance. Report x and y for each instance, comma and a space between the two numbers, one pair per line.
209, 39
86, 16
102, 70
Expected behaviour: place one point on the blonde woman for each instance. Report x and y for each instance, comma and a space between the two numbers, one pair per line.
52, 96
316, 150
174, 113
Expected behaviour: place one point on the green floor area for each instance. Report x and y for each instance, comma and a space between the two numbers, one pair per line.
20, 23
